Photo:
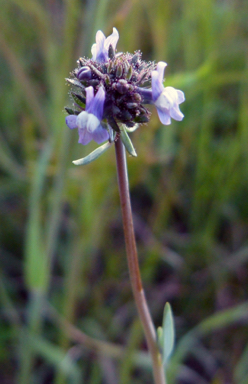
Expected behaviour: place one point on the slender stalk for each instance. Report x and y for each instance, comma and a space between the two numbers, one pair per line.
133, 265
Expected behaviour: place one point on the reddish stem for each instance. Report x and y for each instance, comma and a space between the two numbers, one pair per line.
133, 265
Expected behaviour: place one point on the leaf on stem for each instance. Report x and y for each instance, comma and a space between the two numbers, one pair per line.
166, 334
126, 141
93, 155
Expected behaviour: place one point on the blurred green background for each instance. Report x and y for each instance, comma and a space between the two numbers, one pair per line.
63, 266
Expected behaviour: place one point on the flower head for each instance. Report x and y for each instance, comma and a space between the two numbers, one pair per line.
110, 92
100, 49
88, 122
166, 99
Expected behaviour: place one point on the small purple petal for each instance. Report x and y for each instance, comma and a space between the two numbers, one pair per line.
89, 98
71, 121
97, 104
100, 135
99, 50
100, 40
89, 128
112, 39
164, 116
157, 86
146, 95
176, 114
160, 68
180, 96
84, 136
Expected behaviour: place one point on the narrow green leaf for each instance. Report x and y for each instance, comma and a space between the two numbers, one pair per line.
93, 155
76, 83
71, 111
79, 100
168, 333
127, 142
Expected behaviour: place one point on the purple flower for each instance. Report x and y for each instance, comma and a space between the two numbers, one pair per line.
99, 50
166, 99
88, 122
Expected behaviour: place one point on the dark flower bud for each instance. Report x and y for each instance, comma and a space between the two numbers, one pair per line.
107, 80
119, 71
109, 67
93, 82
137, 97
129, 124
130, 87
116, 110
104, 68
84, 73
125, 115
122, 86
141, 119
111, 52
129, 73
132, 105
125, 68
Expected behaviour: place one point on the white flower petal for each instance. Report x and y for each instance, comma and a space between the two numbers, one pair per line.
82, 119
112, 39
176, 114
93, 51
92, 123
163, 102
160, 69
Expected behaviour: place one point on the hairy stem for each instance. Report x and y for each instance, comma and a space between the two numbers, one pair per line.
133, 265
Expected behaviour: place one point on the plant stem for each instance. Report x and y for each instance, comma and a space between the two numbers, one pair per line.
133, 265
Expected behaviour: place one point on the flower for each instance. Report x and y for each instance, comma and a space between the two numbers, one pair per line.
100, 49
88, 122
166, 99
111, 90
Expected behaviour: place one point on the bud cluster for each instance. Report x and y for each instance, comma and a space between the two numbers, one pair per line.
121, 77
110, 91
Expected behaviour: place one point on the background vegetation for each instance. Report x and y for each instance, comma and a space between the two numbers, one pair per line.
67, 314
